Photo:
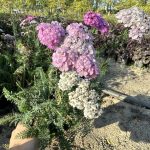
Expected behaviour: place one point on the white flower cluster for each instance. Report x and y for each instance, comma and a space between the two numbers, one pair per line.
91, 107
84, 99
68, 80
80, 95
136, 20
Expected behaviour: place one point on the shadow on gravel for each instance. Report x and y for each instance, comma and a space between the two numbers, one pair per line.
130, 118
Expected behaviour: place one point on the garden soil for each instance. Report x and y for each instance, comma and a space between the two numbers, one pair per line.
122, 126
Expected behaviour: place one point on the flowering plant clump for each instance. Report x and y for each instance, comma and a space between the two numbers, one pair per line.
53, 94
74, 56
136, 20
96, 20
50, 34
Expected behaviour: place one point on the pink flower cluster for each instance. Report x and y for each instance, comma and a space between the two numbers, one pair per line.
78, 30
74, 49
86, 66
95, 20
78, 39
64, 60
27, 20
73, 55
51, 34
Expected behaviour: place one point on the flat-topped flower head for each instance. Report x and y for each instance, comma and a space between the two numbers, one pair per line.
85, 99
78, 30
51, 34
68, 80
80, 96
78, 45
86, 66
136, 20
95, 20
64, 59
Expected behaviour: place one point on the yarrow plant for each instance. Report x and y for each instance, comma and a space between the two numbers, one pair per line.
136, 20
74, 56
96, 20
51, 94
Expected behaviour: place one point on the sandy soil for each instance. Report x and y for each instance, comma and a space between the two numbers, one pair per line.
122, 126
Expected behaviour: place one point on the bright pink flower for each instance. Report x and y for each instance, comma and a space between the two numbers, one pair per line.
95, 20
87, 67
51, 34
63, 59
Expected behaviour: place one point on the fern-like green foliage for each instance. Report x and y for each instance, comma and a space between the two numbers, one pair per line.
6, 119
42, 107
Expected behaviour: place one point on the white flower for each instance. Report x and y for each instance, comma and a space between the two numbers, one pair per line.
68, 80
85, 99
76, 99
80, 95
84, 84
92, 110
91, 107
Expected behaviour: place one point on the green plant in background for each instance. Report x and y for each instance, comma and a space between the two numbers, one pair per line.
71, 9
6, 70
7, 60
111, 18
143, 4
77, 9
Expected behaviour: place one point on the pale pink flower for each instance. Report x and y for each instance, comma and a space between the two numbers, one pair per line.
63, 59
86, 66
